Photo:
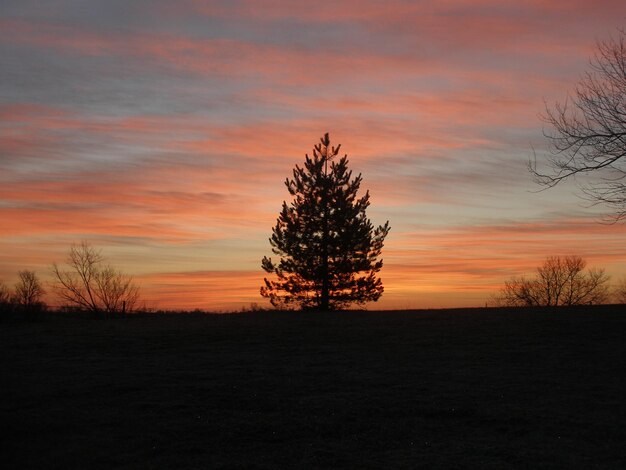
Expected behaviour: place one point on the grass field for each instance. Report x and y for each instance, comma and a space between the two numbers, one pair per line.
442, 389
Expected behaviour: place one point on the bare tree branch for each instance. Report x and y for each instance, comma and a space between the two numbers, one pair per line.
28, 290
5, 295
587, 132
90, 285
559, 281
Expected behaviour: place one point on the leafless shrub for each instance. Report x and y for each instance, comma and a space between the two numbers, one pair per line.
559, 281
5, 295
28, 290
91, 285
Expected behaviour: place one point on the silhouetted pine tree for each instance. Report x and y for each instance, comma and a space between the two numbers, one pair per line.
328, 247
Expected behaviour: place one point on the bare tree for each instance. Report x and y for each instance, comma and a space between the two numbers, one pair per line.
5, 295
559, 281
588, 131
28, 291
91, 285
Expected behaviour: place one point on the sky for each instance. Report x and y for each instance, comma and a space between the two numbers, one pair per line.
161, 132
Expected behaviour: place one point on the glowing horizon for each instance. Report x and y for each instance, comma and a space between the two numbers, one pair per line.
162, 134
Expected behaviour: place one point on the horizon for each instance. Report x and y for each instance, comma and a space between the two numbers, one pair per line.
162, 134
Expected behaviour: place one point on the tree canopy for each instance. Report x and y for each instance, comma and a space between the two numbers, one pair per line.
328, 248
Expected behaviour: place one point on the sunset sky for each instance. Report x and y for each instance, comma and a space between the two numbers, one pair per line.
162, 132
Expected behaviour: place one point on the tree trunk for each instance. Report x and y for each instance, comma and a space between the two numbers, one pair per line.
325, 301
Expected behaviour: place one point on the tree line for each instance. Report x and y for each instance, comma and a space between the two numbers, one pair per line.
84, 283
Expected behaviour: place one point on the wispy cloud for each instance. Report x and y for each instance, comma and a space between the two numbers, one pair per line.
163, 133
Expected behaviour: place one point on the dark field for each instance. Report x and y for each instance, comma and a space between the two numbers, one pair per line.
446, 389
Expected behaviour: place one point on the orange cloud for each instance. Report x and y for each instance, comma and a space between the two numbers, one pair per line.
445, 267
169, 147
479, 258
209, 290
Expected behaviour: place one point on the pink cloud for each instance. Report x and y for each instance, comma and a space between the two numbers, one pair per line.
468, 23
435, 104
228, 58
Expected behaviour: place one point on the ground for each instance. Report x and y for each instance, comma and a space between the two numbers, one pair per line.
480, 388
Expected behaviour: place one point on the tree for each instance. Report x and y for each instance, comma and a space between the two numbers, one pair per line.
560, 281
6, 302
328, 247
90, 285
588, 132
5, 295
28, 291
